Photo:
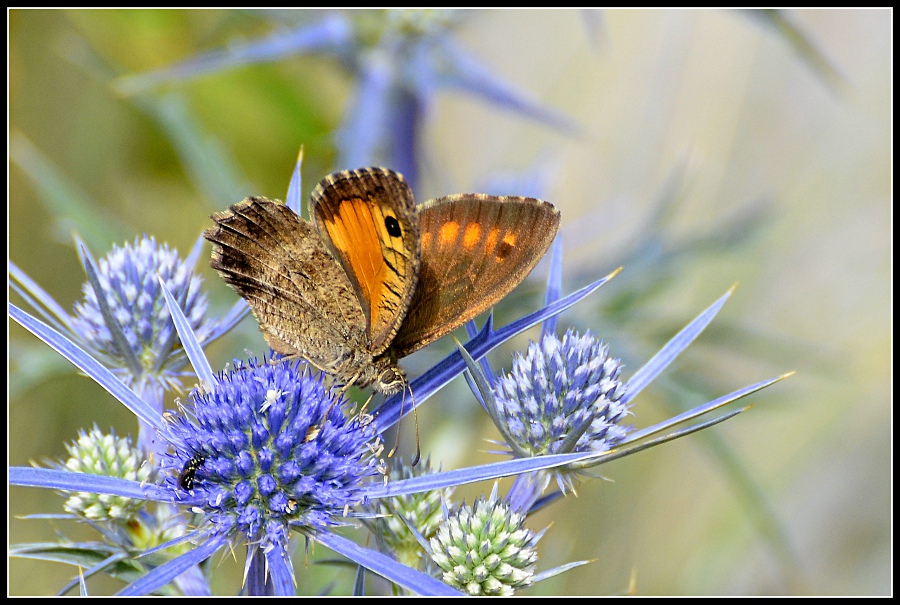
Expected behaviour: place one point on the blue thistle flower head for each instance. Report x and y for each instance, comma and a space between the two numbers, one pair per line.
560, 388
132, 292
269, 447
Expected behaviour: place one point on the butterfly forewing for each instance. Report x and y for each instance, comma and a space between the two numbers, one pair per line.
301, 297
475, 249
367, 218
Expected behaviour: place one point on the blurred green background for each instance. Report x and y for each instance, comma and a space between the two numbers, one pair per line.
712, 147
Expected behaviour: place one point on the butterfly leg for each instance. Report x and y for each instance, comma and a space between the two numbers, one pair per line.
362, 410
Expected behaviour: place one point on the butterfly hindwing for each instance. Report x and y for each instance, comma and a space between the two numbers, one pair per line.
301, 297
368, 220
475, 249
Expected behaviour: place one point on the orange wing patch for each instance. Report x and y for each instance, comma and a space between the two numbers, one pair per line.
472, 235
493, 234
449, 233
353, 231
367, 219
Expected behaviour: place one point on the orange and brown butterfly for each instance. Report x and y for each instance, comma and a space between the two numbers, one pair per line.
373, 277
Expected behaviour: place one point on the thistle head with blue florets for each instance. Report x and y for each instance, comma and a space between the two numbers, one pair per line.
561, 384
267, 448
129, 326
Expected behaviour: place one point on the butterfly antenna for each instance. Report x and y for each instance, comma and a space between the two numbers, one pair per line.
418, 456
412, 396
399, 422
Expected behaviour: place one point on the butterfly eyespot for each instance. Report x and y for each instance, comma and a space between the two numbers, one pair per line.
504, 249
392, 226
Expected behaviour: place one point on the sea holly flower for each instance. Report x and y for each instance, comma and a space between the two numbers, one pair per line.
128, 527
96, 453
259, 454
267, 447
403, 524
128, 323
485, 549
560, 385
566, 396
123, 320
562, 395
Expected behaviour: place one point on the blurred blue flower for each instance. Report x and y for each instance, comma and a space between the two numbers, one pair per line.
398, 59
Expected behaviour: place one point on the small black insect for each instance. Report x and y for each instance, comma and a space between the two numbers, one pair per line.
186, 478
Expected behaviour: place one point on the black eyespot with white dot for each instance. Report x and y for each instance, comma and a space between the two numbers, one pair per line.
392, 226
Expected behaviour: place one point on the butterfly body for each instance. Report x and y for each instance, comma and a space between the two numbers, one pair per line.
373, 277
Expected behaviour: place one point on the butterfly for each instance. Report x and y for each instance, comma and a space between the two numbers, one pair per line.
372, 277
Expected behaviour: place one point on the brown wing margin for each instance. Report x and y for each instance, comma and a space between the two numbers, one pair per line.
475, 249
